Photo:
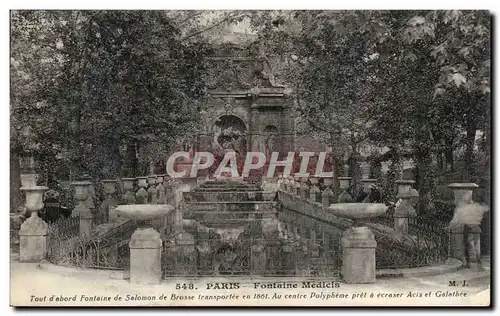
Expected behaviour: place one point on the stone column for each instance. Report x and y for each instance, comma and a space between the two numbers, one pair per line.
403, 208
463, 195
33, 232
128, 186
81, 209
145, 255
358, 260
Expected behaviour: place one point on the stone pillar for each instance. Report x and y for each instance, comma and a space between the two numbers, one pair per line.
152, 192
141, 196
287, 255
128, 186
304, 188
313, 192
109, 187
403, 208
258, 257
145, 255
291, 184
358, 259
284, 184
186, 255
91, 194
160, 189
326, 196
345, 197
33, 232
302, 267
297, 184
81, 209
463, 195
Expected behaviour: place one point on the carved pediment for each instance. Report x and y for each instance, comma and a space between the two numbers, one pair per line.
239, 73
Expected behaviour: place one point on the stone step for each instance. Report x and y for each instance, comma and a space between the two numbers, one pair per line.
228, 196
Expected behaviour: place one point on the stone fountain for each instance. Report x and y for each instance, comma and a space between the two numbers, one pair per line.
358, 242
145, 243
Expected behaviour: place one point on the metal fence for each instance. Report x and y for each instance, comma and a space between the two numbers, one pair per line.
61, 236
420, 248
253, 257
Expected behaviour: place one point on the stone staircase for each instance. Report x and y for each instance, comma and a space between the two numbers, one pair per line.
227, 204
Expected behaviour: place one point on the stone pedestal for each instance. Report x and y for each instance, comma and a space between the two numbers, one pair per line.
457, 242
145, 256
313, 192
463, 195
403, 208
358, 260
345, 197
33, 239
33, 232
85, 222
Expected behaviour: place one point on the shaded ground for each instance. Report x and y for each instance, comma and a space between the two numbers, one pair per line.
28, 279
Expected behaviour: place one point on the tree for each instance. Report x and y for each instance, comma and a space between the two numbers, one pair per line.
116, 76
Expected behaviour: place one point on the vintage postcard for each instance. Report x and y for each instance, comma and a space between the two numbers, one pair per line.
250, 158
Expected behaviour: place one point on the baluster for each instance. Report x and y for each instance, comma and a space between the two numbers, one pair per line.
141, 196
152, 192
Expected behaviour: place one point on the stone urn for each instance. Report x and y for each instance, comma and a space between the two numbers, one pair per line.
367, 183
145, 243
33, 232
142, 182
358, 242
82, 190
344, 182
462, 192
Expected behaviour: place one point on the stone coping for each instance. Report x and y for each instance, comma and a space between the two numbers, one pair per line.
451, 265
463, 186
230, 202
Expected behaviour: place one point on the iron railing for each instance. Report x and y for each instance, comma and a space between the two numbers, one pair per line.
253, 257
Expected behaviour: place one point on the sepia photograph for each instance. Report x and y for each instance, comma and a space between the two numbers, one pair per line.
290, 158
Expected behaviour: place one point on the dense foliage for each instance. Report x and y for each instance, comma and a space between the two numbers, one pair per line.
109, 92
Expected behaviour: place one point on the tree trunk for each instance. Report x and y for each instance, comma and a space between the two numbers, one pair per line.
469, 149
424, 182
15, 182
336, 163
131, 162
355, 168
448, 153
